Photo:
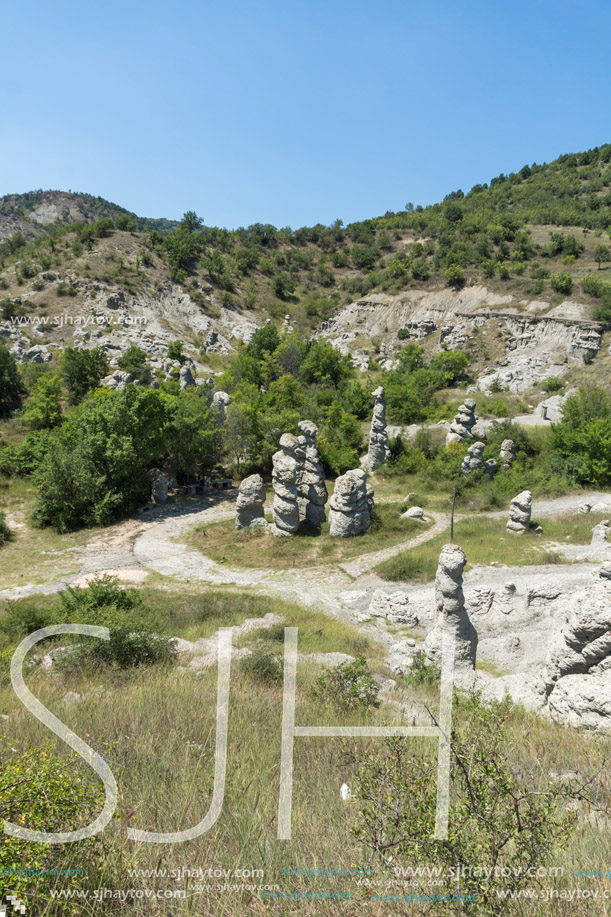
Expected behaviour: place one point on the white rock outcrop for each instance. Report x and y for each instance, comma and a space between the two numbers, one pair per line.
520, 510
249, 504
393, 606
378, 452
451, 613
350, 505
286, 462
463, 423
311, 485
600, 534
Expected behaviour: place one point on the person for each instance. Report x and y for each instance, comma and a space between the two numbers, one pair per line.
200, 486
208, 481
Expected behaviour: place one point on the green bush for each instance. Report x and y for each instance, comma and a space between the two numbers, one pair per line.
5, 532
562, 283
552, 384
349, 686
263, 667
83, 371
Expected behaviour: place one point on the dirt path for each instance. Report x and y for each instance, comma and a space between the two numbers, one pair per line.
366, 562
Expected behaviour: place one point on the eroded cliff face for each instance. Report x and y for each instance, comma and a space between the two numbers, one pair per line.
516, 342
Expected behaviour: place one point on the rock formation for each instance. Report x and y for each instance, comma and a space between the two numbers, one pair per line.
577, 677
519, 513
185, 377
474, 458
311, 485
414, 512
490, 468
394, 606
507, 454
600, 534
117, 380
378, 452
350, 505
287, 462
159, 486
220, 402
249, 505
452, 617
463, 423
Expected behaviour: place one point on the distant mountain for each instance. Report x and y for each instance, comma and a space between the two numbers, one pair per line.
35, 212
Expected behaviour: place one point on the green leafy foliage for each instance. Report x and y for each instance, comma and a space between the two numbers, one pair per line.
262, 666
82, 371
11, 389
43, 410
348, 686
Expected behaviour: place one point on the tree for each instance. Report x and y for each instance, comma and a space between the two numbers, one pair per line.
83, 371
193, 434
240, 435
11, 389
601, 254
562, 283
175, 352
43, 409
97, 462
135, 361
455, 276
282, 285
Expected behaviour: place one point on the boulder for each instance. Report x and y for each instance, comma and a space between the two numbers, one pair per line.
519, 513
117, 380
249, 504
378, 452
286, 462
600, 534
350, 505
311, 485
462, 425
414, 512
507, 454
452, 617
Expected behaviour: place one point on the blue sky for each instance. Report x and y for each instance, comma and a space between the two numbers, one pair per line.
294, 113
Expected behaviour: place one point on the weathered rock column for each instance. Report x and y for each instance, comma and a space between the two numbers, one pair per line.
349, 506
474, 458
159, 485
378, 452
249, 505
520, 509
311, 485
452, 617
220, 402
463, 423
285, 507
507, 454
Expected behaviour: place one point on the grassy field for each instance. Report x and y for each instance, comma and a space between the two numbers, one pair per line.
485, 540
257, 549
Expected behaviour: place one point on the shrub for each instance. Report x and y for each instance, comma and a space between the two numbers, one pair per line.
262, 666
500, 815
5, 532
349, 686
421, 673
83, 371
175, 352
561, 283
553, 384
455, 276
10, 384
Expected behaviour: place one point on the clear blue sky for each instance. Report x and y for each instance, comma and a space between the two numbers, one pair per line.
294, 113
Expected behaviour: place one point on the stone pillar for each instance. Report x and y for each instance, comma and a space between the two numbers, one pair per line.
463, 423
349, 506
519, 513
378, 452
220, 402
507, 454
287, 462
311, 485
249, 505
474, 458
452, 617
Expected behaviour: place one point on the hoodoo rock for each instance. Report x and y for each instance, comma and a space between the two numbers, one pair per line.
220, 403
311, 485
474, 458
379, 451
463, 423
350, 505
287, 462
159, 486
249, 504
520, 509
507, 454
452, 618
600, 534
